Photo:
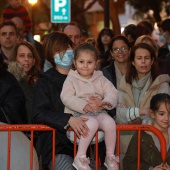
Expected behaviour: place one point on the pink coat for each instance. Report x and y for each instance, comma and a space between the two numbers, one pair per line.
77, 90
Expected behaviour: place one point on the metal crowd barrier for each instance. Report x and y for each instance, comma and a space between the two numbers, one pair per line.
32, 128
138, 128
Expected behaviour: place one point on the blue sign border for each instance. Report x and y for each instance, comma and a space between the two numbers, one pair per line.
59, 17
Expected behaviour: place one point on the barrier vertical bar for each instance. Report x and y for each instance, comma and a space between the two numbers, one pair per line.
31, 150
9, 151
75, 144
53, 151
97, 149
118, 144
138, 157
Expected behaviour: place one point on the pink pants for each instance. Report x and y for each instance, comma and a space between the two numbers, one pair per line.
107, 125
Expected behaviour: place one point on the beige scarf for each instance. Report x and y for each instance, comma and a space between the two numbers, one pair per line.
139, 87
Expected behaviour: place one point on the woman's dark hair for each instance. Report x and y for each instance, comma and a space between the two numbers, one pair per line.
131, 73
129, 30
86, 47
3, 65
165, 25
104, 31
141, 30
119, 37
55, 42
158, 99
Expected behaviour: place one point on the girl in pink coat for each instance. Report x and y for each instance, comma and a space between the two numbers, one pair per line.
81, 87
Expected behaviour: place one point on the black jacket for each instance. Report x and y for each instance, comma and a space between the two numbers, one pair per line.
110, 73
164, 59
48, 109
12, 100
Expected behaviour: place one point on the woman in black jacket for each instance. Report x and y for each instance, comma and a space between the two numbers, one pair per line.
48, 108
12, 100
119, 49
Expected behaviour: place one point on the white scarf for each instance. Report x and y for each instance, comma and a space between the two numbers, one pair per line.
118, 75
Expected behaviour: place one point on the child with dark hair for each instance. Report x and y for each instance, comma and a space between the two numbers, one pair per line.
150, 146
15, 9
129, 33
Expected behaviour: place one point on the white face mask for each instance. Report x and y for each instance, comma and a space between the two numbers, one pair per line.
162, 39
66, 61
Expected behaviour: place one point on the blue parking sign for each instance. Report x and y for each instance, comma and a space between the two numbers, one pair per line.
60, 11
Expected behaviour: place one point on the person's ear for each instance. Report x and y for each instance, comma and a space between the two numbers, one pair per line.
74, 63
152, 115
34, 62
152, 61
111, 54
133, 63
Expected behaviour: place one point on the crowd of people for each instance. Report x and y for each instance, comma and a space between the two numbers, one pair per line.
87, 85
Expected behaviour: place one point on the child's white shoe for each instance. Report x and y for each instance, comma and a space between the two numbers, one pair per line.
111, 162
82, 163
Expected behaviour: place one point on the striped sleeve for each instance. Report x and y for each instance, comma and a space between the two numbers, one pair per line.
21, 12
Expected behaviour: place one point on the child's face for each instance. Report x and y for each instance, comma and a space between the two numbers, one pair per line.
162, 117
15, 3
85, 64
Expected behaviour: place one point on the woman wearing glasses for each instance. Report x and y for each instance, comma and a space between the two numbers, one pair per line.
119, 50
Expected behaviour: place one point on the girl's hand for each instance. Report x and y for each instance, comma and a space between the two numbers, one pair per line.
95, 102
122, 105
79, 126
105, 104
88, 108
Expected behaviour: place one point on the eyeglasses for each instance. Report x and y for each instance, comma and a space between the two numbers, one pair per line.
117, 50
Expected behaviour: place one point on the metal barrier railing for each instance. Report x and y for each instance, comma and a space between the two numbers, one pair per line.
138, 128
32, 128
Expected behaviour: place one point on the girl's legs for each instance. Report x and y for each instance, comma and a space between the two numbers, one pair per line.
107, 124
93, 125
80, 161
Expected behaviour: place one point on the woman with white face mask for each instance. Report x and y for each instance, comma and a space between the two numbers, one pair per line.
48, 107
